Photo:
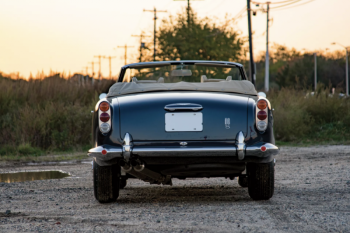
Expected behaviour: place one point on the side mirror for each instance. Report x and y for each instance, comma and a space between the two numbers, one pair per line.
102, 96
262, 94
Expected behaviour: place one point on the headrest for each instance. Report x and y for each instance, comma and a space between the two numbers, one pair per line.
135, 80
204, 79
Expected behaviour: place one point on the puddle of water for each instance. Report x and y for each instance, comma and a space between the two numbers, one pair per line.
32, 175
58, 163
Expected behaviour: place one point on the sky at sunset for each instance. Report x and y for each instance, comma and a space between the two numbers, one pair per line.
65, 35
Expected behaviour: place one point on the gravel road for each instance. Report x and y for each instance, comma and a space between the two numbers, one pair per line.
312, 194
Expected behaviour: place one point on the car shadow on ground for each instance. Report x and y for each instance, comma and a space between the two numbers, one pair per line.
188, 194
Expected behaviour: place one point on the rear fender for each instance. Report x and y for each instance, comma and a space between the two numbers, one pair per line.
253, 135
107, 138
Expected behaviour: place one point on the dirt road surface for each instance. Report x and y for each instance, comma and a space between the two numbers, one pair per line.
312, 194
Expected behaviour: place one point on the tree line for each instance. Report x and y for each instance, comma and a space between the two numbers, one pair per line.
206, 39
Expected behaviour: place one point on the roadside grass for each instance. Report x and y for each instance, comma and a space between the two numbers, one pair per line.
46, 114
26, 153
300, 119
45, 157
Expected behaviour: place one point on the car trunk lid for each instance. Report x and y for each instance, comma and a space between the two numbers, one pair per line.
178, 116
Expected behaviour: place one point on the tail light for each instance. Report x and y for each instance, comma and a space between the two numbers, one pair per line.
104, 115
261, 114
262, 104
104, 106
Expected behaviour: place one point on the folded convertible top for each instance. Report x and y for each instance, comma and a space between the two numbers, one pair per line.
232, 86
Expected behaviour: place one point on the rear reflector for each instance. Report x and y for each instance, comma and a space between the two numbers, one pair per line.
261, 125
262, 115
262, 104
104, 117
263, 148
104, 152
104, 106
105, 127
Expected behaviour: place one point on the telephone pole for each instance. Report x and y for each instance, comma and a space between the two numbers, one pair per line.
86, 69
315, 67
346, 67
110, 65
188, 10
92, 70
126, 53
81, 80
99, 69
142, 44
267, 65
155, 30
252, 70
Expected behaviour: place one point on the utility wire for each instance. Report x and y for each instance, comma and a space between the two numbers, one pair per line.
285, 4
239, 14
294, 6
272, 2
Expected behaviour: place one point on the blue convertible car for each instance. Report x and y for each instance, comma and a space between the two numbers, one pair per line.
182, 119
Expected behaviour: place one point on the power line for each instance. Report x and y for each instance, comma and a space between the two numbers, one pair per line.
286, 4
272, 2
240, 12
294, 6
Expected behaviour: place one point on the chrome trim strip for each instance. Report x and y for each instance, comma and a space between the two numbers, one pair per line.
184, 151
256, 151
240, 145
127, 147
183, 106
112, 153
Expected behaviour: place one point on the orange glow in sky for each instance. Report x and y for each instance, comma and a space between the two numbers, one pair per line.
65, 35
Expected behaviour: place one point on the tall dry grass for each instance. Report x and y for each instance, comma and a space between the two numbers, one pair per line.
53, 113
300, 116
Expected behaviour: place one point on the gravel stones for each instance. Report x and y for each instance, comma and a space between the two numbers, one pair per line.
310, 196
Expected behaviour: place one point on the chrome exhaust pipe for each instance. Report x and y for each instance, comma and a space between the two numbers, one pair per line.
139, 170
137, 165
125, 166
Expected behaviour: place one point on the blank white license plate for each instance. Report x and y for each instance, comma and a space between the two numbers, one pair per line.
183, 122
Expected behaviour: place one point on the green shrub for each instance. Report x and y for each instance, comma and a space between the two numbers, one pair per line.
7, 150
26, 149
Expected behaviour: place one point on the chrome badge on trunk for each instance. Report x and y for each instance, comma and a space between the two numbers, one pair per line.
227, 123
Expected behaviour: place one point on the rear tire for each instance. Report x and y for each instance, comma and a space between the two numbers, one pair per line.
261, 180
106, 182
123, 183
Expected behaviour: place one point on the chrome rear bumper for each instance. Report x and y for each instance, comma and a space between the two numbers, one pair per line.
240, 150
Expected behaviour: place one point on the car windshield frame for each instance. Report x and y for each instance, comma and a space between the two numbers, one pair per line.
193, 63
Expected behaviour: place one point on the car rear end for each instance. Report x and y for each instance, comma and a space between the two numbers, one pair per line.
159, 135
